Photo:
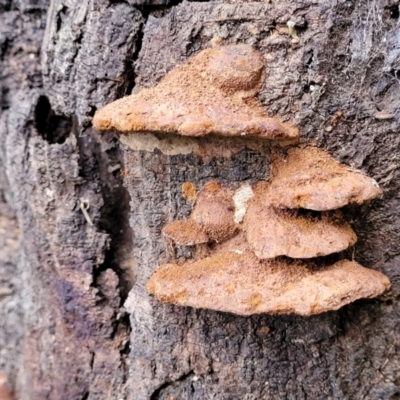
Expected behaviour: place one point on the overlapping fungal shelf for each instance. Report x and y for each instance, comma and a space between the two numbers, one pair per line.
258, 243
244, 271
213, 93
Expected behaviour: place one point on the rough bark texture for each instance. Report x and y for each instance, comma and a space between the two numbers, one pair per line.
65, 277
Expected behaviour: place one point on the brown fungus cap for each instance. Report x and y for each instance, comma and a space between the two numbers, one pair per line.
185, 233
5, 390
212, 219
275, 232
243, 285
310, 178
214, 211
213, 93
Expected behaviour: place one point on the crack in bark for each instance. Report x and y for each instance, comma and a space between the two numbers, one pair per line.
158, 392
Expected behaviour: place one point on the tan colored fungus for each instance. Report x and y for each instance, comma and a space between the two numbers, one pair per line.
213, 93
5, 391
205, 148
185, 232
237, 244
310, 178
214, 211
275, 232
189, 191
212, 219
244, 285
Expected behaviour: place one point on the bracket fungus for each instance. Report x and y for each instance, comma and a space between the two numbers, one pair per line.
5, 391
245, 285
298, 235
212, 219
213, 93
310, 178
242, 273
286, 216
185, 232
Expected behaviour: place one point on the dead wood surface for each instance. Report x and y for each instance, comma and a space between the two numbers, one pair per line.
77, 322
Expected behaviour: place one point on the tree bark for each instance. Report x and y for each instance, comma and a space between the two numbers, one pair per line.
81, 213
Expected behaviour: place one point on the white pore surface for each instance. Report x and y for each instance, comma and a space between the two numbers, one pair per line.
241, 197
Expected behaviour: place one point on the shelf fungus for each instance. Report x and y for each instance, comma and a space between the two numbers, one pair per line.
275, 232
259, 241
213, 93
5, 390
212, 219
265, 238
242, 284
310, 178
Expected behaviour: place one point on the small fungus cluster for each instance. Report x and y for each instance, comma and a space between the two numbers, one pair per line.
258, 244
262, 263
